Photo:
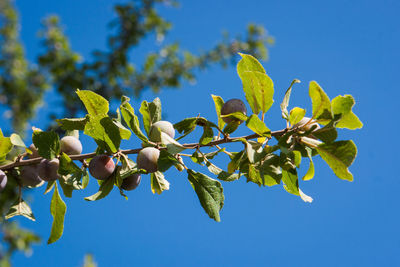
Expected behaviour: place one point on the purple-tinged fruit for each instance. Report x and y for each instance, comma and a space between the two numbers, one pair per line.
101, 167
232, 106
48, 169
29, 176
131, 182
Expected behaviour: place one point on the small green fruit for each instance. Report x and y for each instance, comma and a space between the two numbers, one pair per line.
71, 145
164, 126
147, 159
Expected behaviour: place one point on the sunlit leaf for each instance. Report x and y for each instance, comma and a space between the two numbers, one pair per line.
57, 210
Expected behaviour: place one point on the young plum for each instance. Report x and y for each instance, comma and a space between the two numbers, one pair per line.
131, 182
231, 106
29, 176
147, 159
307, 127
48, 169
164, 126
35, 153
101, 167
3, 180
71, 145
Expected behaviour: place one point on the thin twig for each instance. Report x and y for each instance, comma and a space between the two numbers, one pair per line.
137, 150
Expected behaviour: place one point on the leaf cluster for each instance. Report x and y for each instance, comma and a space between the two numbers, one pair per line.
258, 161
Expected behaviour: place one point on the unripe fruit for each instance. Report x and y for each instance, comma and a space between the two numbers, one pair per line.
71, 145
29, 176
131, 182
232, 106
48, 169
308, 127
35, 153
3, 180
147, 159
164, 126
101, 167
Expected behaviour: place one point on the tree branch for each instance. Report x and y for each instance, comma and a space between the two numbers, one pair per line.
136, 150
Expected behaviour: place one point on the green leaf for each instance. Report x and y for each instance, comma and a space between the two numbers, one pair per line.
72, 124
222, 175
219, 102
47, 143
104, 132
327, 134
104, 190
231, 127
151, 113
67, 188
256, 125
166, 161
198, 158
270, 170
67, 166
57, 210
16, 140
342, 105
207, 136
296, 157
310, 172
95, 104
253, 175
235, 161
291, 181
49, 186
5, 145
296, 114
236, 115
128, 168
286, 98
85, 179
186, 126
339, 156
254, 151
20, 208
249, 64
123, 131
173, 146
321, 105
258, 85
209, 192
128, 113
158, 182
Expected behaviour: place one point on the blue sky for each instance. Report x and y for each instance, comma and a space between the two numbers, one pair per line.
349, 47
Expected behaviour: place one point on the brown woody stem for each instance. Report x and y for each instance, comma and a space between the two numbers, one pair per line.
136, 150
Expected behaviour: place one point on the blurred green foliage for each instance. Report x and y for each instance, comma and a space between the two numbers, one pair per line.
110, 73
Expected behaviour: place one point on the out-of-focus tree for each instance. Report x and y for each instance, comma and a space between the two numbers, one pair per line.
110, 73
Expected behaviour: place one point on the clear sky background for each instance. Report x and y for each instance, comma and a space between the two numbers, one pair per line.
349, 47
